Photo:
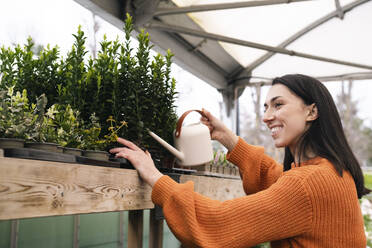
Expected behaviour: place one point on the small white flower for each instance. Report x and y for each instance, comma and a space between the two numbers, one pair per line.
11, 91
60, 131
51, 112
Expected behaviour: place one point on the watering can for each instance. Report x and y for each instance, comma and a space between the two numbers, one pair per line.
193, 142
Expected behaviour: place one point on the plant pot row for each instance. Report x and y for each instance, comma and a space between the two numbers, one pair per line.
218, 169
52, 147
208, 168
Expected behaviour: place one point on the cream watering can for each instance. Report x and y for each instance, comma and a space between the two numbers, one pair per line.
193, 142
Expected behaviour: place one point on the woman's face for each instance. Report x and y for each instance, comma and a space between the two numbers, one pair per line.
286, 115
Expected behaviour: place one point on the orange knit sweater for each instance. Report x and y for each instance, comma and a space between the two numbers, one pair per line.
307, 206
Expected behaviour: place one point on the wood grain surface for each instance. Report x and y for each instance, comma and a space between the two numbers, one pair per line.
216, 188
33, 188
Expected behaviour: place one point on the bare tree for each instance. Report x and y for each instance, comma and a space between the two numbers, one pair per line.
358, 135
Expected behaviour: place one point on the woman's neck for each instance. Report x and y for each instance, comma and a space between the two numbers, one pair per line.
305, 156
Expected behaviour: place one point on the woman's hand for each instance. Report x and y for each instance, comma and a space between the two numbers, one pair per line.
219, 131
141, 160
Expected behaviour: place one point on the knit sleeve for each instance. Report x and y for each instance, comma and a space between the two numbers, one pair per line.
282, 211
258, 171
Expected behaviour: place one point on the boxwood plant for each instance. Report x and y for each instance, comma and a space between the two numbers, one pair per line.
16, 114
122, 83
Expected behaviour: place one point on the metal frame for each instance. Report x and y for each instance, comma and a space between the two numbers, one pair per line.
333, 78
223, 6
178, 29
299, 34
216, 73
340, 12
348, 76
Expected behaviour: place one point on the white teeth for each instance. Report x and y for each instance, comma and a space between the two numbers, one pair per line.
275, 129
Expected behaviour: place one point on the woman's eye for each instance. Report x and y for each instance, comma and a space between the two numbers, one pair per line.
277, 105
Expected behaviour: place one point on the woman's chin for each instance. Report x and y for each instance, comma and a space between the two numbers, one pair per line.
278, 144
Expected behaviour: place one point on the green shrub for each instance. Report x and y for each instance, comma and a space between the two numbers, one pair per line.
128, 86
45, 128
368, 180
69, 126
16, 114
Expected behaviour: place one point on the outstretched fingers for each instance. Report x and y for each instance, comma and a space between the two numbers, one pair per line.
147, 153
121, 152
129, 144
207, 114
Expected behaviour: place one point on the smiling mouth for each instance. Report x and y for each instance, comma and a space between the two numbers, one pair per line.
275, 131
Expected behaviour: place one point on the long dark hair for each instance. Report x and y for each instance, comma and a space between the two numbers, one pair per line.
325, 136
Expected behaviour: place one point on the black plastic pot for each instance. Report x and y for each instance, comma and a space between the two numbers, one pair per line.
98, 155
47, 146
11, 143
72, 151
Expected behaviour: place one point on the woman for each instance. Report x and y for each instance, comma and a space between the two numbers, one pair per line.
311, 201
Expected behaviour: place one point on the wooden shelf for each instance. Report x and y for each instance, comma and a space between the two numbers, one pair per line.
34, 188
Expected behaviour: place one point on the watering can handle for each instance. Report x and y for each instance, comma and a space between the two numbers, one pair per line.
180, 121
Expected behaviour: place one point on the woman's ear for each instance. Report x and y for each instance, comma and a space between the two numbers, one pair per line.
313, 112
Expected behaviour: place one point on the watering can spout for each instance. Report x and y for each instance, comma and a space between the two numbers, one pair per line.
193, 144
170, 148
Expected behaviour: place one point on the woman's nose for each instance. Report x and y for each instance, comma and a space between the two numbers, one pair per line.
267, 117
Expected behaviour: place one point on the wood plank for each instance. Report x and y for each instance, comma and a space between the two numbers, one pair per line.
221, 189
156, 231
32, 188
135, 229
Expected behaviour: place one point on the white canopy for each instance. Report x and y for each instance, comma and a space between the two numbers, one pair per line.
340, 31
226, 42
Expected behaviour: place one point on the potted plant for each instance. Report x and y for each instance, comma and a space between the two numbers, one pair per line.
214, 168
113, 129
145, 96
44, 135
227, 168
93, 147
69, 134
121, 82
16, 118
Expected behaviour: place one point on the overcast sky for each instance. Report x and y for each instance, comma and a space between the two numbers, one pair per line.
53, 22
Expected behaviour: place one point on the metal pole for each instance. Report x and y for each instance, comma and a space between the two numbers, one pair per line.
339, 10
76, 231
178, 29
223, 6
348, 76
14, 234
121, 229
237, 117
342, 77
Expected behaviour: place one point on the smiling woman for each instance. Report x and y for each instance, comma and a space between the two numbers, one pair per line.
323, 135
287, 116
311, 201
